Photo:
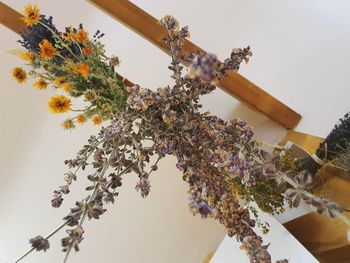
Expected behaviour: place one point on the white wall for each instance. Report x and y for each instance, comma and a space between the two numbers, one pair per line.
299, 57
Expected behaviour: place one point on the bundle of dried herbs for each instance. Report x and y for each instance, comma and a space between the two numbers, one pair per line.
220, 161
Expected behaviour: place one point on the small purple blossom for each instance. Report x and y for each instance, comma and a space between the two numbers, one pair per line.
39, 243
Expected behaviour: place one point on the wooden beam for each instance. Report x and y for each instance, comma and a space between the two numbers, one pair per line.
147, 26
10, 18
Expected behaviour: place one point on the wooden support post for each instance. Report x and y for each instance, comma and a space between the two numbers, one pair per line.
148, 27
324, 237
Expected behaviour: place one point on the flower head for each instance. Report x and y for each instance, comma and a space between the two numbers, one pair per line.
39, 243
82, 69
81, 36
96, 120
59, 104
89, 95
60, 81
81, 119
47, 51
68, 124
69, 35
27, 56
19, 74
86, 51
40, 84
31, 15
67, 88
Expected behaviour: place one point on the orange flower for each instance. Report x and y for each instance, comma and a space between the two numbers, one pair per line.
82, 69
67, 88
27, 56
86, 51
19, 74
40, 84
96, 120
47, 51
81, 119
31, 15
59, 104
81, 36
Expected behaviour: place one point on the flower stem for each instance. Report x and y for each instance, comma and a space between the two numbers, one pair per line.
47, 237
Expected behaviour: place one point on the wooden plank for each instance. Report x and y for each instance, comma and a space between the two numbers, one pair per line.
208, 257
308, 142
236, 85
10, 18
324, 237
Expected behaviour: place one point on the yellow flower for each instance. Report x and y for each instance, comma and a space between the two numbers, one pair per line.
59, 104
106, 106
47, 51
60, 81
27, 56
19, 74
81, 119
67, 88
40, 84
31, 15
89, 95
69, 36
82, 69
96, 120
68, 124
82, 36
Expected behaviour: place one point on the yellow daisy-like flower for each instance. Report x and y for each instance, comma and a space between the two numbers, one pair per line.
27, 56
31, 15
19, 74
69, 36
82, 69
81, 119
96, 120
40, 84
47, 51
67, 88
60, 81
59, 104
82, 36
68, 124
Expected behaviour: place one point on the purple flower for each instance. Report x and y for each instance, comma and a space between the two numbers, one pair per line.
144, 187
39, 243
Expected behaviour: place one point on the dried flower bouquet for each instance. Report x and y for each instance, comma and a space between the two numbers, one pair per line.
220, 161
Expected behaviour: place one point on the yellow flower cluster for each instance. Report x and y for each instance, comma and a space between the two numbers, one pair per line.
45, 56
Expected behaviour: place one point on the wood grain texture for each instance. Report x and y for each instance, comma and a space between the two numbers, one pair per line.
148, 27
324, 237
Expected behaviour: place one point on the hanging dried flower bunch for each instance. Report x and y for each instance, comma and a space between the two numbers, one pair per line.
220, 161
